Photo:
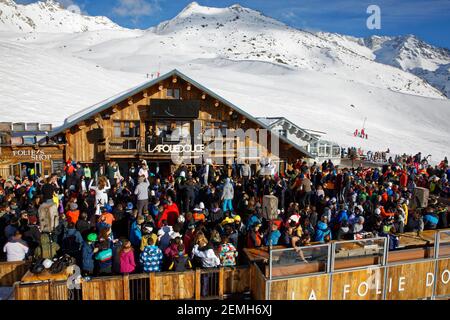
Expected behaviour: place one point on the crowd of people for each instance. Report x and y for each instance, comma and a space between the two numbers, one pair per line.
116, 222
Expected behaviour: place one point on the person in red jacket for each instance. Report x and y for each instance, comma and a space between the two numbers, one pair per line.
73, 214
403, 179
385, 214
254, 239
170, 213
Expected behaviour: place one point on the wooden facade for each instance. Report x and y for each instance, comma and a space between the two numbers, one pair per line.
44, 159
99, 136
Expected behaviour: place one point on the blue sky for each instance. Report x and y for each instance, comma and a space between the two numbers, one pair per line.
428, 19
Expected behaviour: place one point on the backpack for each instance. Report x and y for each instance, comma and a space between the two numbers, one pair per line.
63, 262
182, 263
37, 266
47, 248
104, 255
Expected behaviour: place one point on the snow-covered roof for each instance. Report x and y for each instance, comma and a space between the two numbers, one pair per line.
110, 102
272, 121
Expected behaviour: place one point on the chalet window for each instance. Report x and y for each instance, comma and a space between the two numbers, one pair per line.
167, 132
57, 166
173, 93
32, 126
29, 140
282, 133
117, 130
19, 127
126, 129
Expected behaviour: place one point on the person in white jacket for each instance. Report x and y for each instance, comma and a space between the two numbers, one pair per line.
208, 259
101, 193
207, 256
143, 171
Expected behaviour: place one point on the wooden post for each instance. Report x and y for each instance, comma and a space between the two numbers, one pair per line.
16, 286
126, 287
152, 281
221, 283
198, 284
50, 289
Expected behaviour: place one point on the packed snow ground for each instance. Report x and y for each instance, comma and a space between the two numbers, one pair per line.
255, 62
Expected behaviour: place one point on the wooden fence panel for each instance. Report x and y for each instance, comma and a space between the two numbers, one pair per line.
305, 288
443, 278
366, 284
59, 291
35, 291
110, 288
173, 286
258, 283
236, 280
409, 281
11, 272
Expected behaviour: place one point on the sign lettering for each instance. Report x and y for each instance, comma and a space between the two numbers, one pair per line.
177, 148
33, 155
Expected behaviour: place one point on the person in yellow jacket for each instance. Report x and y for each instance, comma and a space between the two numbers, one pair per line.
405, 209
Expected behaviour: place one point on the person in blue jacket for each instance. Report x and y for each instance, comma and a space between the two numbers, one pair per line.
87, 252
136, 232
273, 236
430, 219
322, 230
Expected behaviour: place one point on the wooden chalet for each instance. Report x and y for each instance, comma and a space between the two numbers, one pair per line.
140, 123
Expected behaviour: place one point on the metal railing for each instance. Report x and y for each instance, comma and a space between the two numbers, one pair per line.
372, 253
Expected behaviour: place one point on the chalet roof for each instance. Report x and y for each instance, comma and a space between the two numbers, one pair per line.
110, 102
271, 122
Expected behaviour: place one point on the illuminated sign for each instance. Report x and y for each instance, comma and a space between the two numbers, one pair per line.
177, 148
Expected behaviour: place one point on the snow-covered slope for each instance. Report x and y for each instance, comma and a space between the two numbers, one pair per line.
48, 16
260, 64
38, 85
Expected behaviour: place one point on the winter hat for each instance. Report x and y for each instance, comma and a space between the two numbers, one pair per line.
183, 174
130, 206
333, 200
202, 205
237, 218
92, 237
294, 218
73, 206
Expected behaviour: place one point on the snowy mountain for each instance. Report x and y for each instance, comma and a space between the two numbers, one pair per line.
326, 82
48, 16
414, 55
407, 53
